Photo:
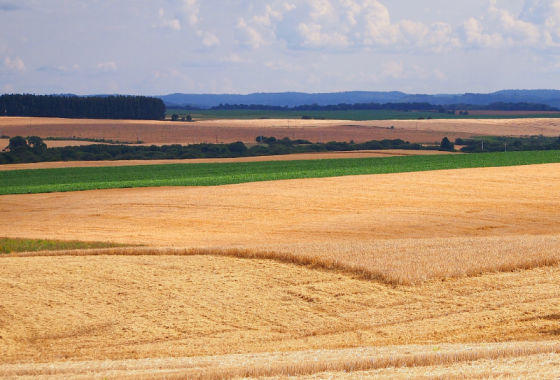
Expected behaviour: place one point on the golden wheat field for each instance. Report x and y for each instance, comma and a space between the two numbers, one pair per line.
454, 203
211, 131
434, 275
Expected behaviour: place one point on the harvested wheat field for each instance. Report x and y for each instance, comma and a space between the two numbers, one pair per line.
227, 131
507, 201
288, 157
125, 307
448, 274
53, 143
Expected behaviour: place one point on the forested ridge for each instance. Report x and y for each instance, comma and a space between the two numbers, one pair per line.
76, 107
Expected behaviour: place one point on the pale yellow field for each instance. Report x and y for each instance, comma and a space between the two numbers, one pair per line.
52, 143
124, 307
507, 201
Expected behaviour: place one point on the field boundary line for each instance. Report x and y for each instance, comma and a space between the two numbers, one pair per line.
307, 367
312, 261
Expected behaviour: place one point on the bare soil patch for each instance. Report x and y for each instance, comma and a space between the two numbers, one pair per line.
290, 157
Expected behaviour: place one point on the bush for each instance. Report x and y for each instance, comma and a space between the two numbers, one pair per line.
446, 144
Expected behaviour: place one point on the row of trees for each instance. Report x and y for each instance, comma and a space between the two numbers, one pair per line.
500, 106
76, 107
32, 149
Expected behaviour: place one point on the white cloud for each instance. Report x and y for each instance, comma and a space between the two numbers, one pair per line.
314, 37
233, 58
208, 39
167, 23
248, 36
512, 27
107, 66
191, 8
473, 34
270, 14
15, 64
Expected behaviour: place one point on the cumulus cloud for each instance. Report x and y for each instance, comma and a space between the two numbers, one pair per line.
164, 22
15, 64
208, 39
107, 66
247, 35
313, 36
191, 8
472, 33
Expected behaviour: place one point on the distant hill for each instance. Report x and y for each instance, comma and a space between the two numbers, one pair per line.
294, 99
290, 99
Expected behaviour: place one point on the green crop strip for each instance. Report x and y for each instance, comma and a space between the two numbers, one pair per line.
26, 245
75, 179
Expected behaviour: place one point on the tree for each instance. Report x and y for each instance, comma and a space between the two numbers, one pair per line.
36, 142
189, 118
174, 117
446, 144
16, 142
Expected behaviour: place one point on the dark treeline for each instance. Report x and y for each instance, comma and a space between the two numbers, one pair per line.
393, 107
33, 149
75, 107
510, 144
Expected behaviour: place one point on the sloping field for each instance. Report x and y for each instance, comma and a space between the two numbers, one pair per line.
161, 132
507, 201
477, 250
124, 307
289, 157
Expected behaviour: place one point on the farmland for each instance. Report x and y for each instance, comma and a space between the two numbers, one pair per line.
358, 115
228, 131
74, 179
30, 245
395, 267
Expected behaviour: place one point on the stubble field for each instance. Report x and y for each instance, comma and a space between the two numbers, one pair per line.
411, 263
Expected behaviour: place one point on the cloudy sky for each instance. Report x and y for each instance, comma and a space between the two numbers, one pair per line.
157, 47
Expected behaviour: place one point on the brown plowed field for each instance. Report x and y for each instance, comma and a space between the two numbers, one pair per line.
211, 131
289, 157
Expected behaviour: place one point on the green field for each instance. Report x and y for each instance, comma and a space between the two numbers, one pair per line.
75, 179
25, 245
340, 115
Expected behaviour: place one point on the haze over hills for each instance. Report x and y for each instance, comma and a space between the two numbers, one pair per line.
292, 99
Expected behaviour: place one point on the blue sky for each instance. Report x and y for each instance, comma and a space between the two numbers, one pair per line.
157, 47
